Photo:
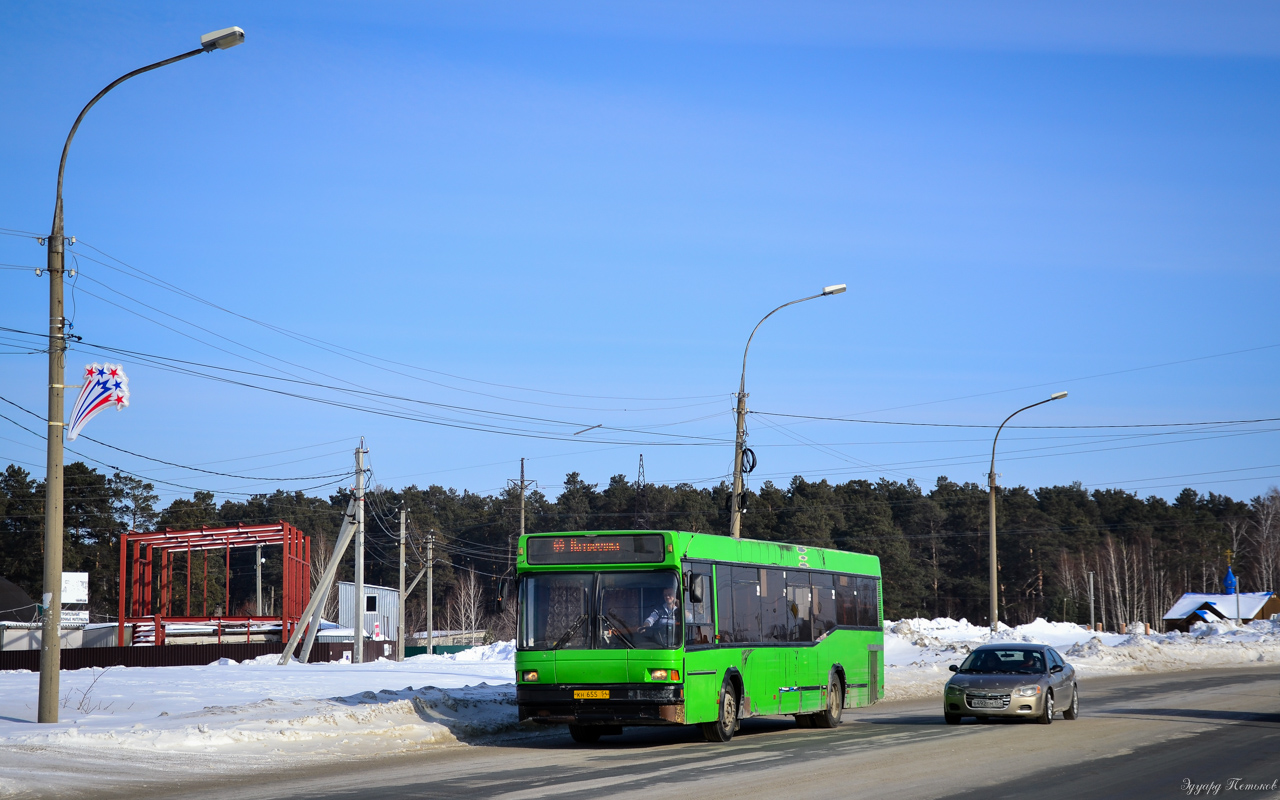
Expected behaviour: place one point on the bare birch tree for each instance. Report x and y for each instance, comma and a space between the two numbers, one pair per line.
1265, 530
464, 610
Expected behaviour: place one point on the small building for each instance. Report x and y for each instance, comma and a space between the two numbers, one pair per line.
381, 609
1192, 608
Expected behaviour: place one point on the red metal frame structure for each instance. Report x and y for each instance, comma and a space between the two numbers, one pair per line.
154, 555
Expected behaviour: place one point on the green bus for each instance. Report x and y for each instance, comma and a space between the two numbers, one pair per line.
670, 628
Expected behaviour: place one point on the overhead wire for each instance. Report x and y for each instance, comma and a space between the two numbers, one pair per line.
129, 472
1019, 427
341, 350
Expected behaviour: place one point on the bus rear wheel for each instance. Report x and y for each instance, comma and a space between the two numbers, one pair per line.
830, 716
727, 722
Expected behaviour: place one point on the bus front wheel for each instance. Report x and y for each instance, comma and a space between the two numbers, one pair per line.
727, 722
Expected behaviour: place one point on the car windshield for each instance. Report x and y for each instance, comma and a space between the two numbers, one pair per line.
600, 610
1012, 660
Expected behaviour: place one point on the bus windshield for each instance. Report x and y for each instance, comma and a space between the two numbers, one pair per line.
600, 611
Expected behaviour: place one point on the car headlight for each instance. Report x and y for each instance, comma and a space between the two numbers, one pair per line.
1027, 691
954, 689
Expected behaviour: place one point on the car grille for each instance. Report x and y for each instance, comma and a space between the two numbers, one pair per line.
985, 699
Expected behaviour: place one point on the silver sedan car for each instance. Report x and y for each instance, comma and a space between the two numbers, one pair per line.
1030, 681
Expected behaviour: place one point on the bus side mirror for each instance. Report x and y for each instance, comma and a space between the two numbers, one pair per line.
695, 588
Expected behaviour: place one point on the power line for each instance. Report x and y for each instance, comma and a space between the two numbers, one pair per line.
136, 474
184, 466
1024, 427
184, 366
336, 348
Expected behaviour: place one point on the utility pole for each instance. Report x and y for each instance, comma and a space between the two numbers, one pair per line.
523, 485
1091, 625
992, 569
400, 621
257, 565
50, 641
357, 651
431, 596
735, 508
51, 629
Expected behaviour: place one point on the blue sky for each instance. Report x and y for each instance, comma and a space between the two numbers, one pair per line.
573, 214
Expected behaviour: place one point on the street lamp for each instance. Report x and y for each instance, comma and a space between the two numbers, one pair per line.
991, 482
50, 644
735, 510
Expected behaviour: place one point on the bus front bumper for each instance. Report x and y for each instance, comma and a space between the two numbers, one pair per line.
586, 704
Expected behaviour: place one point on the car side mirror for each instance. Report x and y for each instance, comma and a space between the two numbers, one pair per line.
953, 668
1056, 668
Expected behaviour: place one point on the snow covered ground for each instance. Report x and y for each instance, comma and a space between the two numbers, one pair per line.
262, 715
918, 651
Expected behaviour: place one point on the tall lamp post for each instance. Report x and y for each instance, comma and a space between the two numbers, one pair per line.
50, 644
735, 510
991, 482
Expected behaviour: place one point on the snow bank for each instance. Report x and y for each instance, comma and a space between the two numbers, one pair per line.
259, 714
918, 651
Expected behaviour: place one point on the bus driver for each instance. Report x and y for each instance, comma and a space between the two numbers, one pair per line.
661, 624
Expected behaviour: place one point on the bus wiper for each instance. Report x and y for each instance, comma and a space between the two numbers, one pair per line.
617, 626
569, 633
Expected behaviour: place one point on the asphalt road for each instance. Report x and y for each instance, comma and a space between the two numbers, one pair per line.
1137, 737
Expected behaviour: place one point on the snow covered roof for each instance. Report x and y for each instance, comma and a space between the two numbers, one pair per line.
1225, 604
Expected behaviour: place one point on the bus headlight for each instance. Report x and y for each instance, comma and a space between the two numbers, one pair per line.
659, 674
529, 676
1027, 691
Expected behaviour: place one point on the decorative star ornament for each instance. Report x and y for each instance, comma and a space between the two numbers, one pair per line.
104, 385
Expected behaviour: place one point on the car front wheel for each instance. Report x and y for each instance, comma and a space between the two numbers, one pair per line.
1046, 716
952, 719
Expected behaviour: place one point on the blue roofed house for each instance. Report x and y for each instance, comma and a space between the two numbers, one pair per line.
1192, 608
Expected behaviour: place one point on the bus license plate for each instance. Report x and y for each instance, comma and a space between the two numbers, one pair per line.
590, 694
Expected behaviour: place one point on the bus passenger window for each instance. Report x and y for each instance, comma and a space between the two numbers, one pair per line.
698, 627
799, 607
846, 600
824, 604
746, 604
869, 602
724, 604
773, 605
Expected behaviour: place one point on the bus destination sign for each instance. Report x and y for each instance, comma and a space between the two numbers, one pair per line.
646, 548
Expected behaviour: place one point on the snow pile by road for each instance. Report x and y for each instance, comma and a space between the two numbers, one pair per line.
258, 713
918, 651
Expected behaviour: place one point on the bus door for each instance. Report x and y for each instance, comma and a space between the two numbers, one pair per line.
701, 676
